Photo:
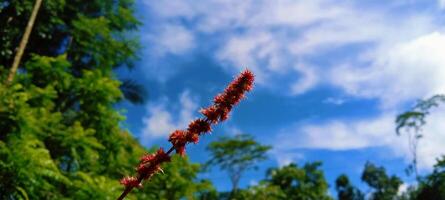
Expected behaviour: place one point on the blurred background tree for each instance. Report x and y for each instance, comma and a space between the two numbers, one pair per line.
411, 123
236, 155
346, 191
433, 185
92, 34
307, 182
59, 131
384, 187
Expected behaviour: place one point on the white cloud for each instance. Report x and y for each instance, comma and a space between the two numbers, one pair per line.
258, 51
232, 130
340, 135
335, 100
308, 79
431, 145
441, 3
162, 120
398, 73
363, 133
403, 60
402, 73
278, 35
171, 39
284, 156
274, 37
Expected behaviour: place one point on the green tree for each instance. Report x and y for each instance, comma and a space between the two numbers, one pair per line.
93, 34
23, 42
300, 183
262, 191
433, 185
346, 191
411, 123
236, 155
384, 187
59, 129
80, 153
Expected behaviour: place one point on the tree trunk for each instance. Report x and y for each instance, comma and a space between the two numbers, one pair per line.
235, 180
23, 42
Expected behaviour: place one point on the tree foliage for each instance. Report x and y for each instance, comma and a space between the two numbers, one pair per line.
262, 191
59, 130
92, 34
384, 187
289, 182
433, 185
236, 155
411, 123
300, 183
346, 191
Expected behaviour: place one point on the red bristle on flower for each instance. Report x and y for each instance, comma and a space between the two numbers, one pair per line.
231, 96
220, 99
147, 158
192, 137
180, 150
223, 114
178, 139
244, 82
143, 168
248, 78
199, 126
161, 156
146, 170
236, 99
150, 164
130, 182
211, 114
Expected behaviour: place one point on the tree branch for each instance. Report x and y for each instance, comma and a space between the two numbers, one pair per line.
23, 42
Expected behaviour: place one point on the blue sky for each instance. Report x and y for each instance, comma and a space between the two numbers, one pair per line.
331, 78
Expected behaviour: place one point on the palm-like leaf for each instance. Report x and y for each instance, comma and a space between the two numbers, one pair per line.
133, 91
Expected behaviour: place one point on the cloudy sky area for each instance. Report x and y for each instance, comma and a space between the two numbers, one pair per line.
331, 77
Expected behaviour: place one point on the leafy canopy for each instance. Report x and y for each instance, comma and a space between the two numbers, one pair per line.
236, 155
60, 134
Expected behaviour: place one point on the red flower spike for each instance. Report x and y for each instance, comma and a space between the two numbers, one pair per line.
192, 137
218, 112
177, 137
180, 150
247, 77
158, 157
143, 168
231, 96
199, 126
147, 170
195, 138
130, 182
150, 163
220, 99
147, 158
224, 114
161, 156
211, 114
